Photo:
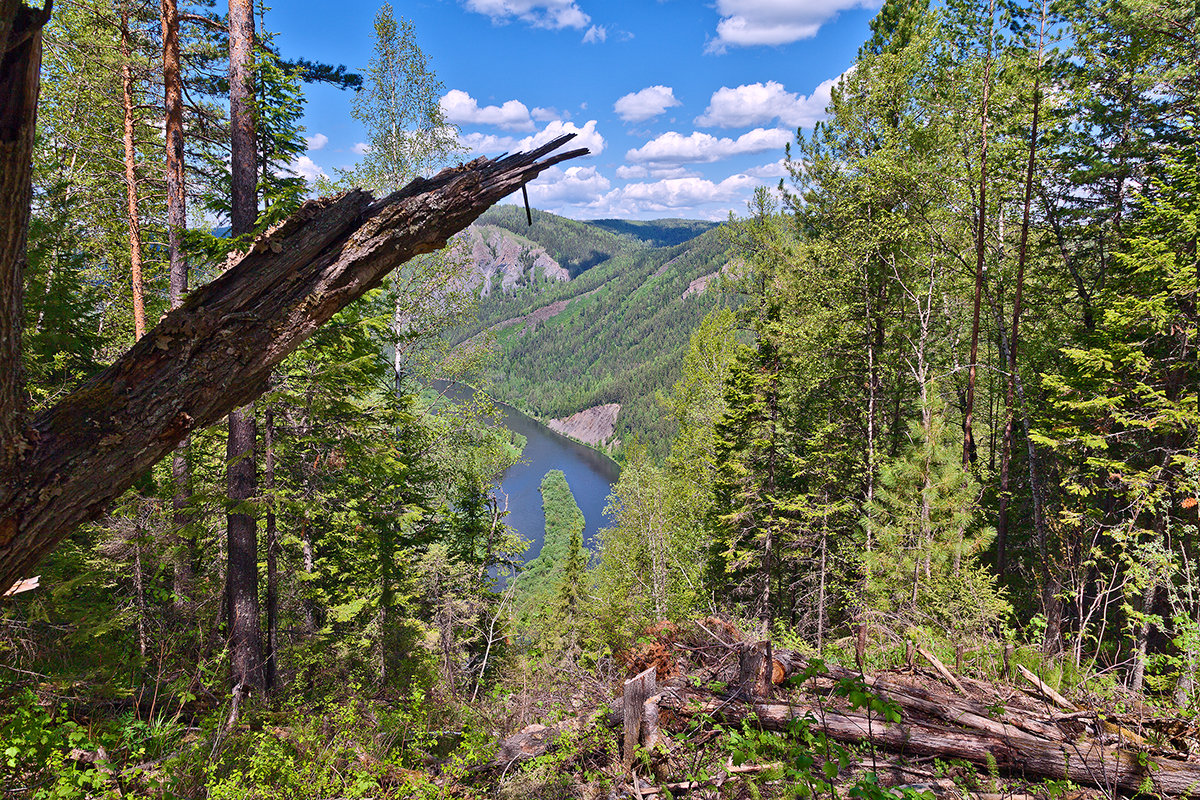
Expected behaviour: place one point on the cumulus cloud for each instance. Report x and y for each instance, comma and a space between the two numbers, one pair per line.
746, 23
305, 167
459, 107
646, 104
360, 148
776, 169
761, 103
488, 144
548, 114
702, 148
552, 14
574, 186
640, 172
316, 141
595, 35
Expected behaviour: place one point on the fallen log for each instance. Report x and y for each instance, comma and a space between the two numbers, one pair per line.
214, 352
1008, 748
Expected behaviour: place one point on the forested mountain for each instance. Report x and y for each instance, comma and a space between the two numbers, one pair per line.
614, 333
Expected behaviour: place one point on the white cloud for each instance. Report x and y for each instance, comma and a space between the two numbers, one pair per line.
538, 13
640, 172
675, 193
574, 186
595, 35
643, 105
773, 22
702, 148
360, 148
548, 114
759, 103
459, 107
305, 167
776, 169
487, 144
316, 141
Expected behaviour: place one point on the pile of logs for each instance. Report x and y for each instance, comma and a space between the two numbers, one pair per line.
1029, 733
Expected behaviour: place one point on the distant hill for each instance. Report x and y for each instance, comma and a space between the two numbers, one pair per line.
614, 332
659, 232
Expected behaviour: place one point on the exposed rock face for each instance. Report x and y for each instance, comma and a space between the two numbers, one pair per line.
700, 284
496, 252
592, 426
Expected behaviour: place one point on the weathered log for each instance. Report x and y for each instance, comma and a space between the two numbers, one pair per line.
214, 352
946, 674
1011, 749
785, 664
529, 742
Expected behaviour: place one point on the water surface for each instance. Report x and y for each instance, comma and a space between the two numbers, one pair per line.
589, 473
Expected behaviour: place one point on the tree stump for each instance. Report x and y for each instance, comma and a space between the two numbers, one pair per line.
755, 669
638, 690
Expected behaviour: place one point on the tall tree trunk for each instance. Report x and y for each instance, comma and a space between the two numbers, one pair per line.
184, 542
1006, 446
242, 576
272, 659
20, 66
131, 189
981, 228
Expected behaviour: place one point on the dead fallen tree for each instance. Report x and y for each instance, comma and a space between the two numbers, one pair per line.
214, 353
993, 726
979, 741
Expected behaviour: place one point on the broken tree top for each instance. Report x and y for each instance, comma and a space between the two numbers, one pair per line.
214, 352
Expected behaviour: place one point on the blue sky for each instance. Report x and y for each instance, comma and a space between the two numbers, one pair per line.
685, 105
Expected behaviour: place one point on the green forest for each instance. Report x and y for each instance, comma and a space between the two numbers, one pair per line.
622, 335
908, 502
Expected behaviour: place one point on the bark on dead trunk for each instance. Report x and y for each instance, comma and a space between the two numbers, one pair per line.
215, 352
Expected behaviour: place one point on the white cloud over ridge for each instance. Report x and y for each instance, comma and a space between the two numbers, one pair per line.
745, 23
316, 141
573, 185
488, 144
553, 14
462, 109
645, 104
762, 103
702, 148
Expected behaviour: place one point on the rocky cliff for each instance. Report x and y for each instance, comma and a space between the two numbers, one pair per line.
592, 426
501, 260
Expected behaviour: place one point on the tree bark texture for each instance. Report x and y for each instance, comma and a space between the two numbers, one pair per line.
969, 449
20, 65
215, 352
131, 188
245, 637
241, 579
272, 644
183, 542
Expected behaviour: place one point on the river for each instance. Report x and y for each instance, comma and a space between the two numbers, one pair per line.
589, 473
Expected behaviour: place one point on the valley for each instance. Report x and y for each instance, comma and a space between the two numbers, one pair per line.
590, 318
